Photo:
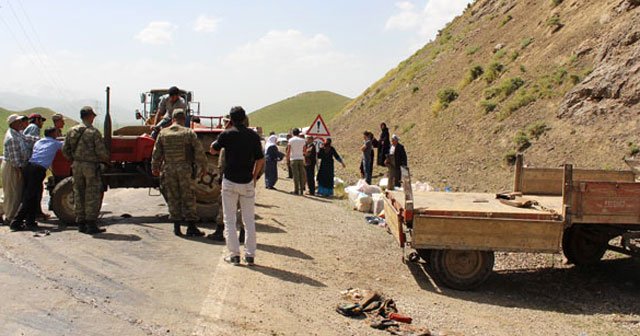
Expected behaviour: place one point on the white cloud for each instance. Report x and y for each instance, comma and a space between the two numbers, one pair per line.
286, 48
205, 24
426, 22
157, 32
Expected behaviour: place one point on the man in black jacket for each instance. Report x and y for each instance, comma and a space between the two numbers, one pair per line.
396, 159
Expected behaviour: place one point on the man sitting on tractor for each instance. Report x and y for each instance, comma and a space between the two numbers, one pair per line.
165, 110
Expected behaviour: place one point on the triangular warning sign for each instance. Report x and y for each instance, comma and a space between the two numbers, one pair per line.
318, 128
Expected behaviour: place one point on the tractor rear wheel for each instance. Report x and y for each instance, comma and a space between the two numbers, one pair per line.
461, 269
62, 201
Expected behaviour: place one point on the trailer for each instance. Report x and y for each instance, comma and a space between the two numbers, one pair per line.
550, 210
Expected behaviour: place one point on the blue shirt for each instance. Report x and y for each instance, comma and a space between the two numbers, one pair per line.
44, 151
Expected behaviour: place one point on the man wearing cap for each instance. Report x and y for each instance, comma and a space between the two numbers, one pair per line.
244, 160
295, 156
396, 159
34, 173
35, 124
58, 122
85, 148
166, 108
176, 150
17, 150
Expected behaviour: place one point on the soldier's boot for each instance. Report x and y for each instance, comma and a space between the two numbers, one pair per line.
192, 230
176, 229
218, 234
92, 228
82, 227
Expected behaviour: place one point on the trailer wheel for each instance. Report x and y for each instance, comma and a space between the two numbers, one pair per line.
582, 248
461, 269
62, 201
425, 254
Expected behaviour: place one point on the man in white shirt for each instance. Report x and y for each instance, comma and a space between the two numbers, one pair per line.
295, 157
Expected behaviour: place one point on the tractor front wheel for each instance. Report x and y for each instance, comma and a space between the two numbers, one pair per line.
62, 201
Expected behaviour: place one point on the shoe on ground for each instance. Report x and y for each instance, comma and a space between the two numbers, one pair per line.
32, 227
233, 260
216, 237
94, 230
16, 227
194, 232
250, 261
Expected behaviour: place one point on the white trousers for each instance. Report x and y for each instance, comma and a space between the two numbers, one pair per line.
232, 193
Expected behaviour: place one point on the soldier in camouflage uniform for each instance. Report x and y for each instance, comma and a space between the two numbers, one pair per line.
85, 148
176, 150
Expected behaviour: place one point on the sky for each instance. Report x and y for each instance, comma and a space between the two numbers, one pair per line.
244, 52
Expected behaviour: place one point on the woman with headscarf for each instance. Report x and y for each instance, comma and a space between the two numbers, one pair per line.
326, 154
272, 156
383, 144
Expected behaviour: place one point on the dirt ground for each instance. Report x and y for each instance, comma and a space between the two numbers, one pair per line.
139, 279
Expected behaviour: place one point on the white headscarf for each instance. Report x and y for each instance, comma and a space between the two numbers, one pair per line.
271, 141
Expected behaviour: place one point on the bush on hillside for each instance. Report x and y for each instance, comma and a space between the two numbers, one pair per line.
520, 100
522, 141
537, 129
488, 105
494, 71
506, 20
474, 73
526, 42
510, 157
504, 89
447, 96
633, 149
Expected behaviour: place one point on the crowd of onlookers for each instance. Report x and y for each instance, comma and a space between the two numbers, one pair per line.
305, 153
27, 156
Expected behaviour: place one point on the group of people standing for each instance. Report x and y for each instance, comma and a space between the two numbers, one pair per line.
391, 154
27, 156
302, 156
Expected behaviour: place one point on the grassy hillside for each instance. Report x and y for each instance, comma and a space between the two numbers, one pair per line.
45, 112
496, 81
298, 111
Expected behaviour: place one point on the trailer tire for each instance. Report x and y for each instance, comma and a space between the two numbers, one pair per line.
425, 254
62, 201
461, 269
582, 249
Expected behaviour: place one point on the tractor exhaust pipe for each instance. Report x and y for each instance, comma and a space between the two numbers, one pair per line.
107, 122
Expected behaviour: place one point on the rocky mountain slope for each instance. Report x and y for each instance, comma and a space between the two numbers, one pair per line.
555, 79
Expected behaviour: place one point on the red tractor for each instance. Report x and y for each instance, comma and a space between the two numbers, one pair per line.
130, 164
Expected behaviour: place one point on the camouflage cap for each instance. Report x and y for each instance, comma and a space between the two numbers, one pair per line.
179, 113
57, 117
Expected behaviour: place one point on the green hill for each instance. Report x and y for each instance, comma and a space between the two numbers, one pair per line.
298, 111
45, 112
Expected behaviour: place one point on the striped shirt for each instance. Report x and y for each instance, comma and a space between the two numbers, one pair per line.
17, 147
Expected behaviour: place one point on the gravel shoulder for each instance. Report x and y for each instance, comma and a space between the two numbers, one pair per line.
139, 279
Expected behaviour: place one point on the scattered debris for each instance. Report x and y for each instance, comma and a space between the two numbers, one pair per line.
381, 313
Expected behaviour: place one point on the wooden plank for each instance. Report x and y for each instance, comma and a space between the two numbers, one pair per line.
548, 181
486, 234
394, 220
606, 203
